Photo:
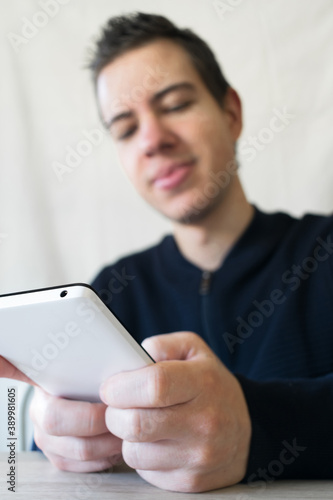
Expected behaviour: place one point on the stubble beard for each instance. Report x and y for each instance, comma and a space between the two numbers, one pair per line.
192, 214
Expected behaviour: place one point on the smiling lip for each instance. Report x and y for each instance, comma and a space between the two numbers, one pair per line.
173, 175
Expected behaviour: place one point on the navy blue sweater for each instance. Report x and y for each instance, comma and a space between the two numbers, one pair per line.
268, 315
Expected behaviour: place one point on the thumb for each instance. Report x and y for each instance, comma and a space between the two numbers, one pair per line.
175, 346
7, 370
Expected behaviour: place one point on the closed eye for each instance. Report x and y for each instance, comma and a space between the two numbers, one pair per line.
172, 109
177, 108
127, 134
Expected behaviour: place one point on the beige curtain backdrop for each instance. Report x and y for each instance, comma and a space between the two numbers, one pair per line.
66, 208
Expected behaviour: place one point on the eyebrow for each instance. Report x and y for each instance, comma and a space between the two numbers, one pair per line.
156, 97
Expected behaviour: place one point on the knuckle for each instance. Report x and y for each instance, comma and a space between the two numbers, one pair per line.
49, 420
157, 386
137, 427
59, 462
209, 425
43, 412
204, 457
191, 482
92, 415
209, 378
82, 451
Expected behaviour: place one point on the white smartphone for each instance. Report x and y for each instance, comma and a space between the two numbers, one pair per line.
66, 340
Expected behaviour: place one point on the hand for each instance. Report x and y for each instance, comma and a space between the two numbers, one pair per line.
7, 370
73, 434
184, 421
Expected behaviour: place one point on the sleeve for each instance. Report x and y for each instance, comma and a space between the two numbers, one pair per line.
98, 283
292, 436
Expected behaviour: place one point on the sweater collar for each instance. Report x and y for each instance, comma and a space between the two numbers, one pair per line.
262, 234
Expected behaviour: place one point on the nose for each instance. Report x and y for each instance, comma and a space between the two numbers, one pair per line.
155, 136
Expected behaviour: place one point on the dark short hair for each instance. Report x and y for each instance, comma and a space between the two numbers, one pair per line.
126, 32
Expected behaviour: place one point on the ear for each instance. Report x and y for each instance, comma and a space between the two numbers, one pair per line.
232, 106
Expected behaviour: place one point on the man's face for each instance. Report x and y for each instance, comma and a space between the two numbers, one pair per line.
170, 133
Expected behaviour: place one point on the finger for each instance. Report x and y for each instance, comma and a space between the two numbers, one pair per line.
63, 417
69, 465
150, 425
162, 384
161, 456
176, 480
7, 370
78, 448
178, 345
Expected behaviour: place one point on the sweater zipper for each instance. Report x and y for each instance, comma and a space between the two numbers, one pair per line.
204, 290
206, 278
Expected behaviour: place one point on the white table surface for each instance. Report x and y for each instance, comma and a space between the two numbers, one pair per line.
37, 479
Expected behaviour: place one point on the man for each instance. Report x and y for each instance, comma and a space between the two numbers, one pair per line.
235, 307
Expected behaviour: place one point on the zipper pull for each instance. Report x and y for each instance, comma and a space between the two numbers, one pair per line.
205, 282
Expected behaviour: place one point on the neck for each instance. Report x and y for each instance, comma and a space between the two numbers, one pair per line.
206, 243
